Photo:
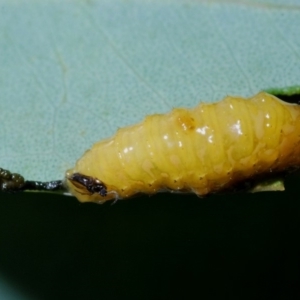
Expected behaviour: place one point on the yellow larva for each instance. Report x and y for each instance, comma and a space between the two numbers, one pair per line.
206, 149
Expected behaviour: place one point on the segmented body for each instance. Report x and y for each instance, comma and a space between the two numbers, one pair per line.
203, 150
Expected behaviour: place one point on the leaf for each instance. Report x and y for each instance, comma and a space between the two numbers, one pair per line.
73, 72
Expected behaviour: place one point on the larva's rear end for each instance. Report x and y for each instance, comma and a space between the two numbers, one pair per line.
207, 149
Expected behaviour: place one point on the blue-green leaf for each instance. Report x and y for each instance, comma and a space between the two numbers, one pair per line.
72, 72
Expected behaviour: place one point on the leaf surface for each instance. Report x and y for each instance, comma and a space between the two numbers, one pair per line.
73, 72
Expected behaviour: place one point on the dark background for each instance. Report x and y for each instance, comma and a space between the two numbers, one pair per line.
241, 246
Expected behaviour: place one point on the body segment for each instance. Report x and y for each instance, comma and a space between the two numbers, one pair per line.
203, 150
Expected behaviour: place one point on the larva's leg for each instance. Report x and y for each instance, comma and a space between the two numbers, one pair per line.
116, 196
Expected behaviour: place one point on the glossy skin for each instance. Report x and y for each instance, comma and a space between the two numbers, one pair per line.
206, 149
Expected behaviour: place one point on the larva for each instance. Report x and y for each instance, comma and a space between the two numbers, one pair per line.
207, 149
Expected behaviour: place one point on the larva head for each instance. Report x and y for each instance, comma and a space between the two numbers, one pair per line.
91, 184
87, 187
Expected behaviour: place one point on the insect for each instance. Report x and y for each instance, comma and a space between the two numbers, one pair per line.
234, 144
211, 148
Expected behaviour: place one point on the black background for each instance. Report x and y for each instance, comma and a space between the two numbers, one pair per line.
240, 246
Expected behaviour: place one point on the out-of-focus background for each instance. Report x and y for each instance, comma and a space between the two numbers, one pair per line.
241, 246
